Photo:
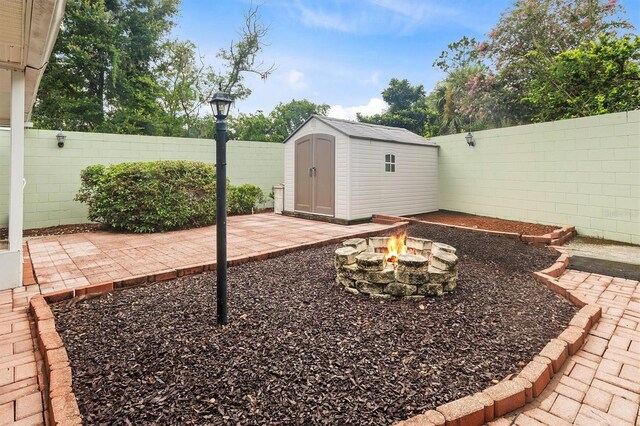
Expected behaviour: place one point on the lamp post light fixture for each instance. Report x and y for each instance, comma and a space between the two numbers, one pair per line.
61, 138
470, 140
220, 103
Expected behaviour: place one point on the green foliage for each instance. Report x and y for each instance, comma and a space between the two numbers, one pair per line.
487, 81
407, 108
600, 77
112, 70
244, 199
99, 77
188, 84
460, 54
276, 126
150, 197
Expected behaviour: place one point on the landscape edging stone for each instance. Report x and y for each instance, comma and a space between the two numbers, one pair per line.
572, 339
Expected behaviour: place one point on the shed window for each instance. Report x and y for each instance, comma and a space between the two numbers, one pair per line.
390, 163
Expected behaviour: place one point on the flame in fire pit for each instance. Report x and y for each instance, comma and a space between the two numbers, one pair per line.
395, 247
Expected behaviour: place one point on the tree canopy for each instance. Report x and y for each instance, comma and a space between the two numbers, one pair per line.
114, 70
538, 63
277, 125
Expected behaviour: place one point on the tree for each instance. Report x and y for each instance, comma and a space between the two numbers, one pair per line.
460, 54
188, 83
113, 70
276, 126
548, 27
287, 117
407, 107
100, 75
599, 77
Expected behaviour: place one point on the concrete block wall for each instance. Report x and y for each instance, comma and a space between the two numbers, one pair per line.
583, 172
52, 174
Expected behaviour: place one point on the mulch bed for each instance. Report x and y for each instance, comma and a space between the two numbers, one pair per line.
72, 229
298, 350
57, 230
488, 223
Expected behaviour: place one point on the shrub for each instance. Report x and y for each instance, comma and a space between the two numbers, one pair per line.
244, 199
150, 197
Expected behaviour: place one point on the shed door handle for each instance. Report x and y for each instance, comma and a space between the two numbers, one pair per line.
312, 171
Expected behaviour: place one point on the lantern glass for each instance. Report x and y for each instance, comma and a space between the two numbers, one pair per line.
469, 138
220, 103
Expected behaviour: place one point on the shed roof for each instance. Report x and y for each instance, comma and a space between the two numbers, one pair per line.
369, 131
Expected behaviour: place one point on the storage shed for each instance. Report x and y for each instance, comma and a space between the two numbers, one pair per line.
344, 171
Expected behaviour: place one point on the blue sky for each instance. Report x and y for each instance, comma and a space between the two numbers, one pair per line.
343, 52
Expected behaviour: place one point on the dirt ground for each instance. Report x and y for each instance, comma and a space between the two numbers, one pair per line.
483, 222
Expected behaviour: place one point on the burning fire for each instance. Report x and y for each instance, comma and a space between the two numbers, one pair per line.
395, 247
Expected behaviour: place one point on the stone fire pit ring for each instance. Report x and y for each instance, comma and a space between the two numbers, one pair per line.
426, 269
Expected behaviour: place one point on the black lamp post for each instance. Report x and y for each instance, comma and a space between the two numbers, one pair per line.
220, 103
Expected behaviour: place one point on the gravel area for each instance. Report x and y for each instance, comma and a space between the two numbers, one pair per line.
488, 223
298, 350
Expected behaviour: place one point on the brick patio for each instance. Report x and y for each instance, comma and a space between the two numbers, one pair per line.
598, 385
78, 260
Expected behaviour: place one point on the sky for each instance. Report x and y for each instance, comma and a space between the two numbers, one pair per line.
342, 52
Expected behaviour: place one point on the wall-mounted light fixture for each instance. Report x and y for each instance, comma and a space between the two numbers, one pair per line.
61, 138
470, 140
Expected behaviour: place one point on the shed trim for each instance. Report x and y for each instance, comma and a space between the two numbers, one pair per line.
328, 122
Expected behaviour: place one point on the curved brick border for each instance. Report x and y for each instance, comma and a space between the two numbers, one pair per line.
516, 391
57, 392
182, 271
556, 238
58, 396
477, 409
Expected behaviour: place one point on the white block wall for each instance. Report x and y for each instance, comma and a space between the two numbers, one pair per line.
53, 174
583, 172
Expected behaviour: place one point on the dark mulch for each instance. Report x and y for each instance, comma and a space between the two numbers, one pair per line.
57, 230
488, 223
73, 229
299, 350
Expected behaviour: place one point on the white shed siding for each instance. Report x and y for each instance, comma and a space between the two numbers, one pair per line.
413, 188
341, 167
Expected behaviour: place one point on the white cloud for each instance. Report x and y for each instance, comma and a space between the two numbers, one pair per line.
373, 79
373, 16
375, 106
295, 80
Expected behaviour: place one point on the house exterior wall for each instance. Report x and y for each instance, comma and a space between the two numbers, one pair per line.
413, 188
583, 172
341, 166
52, 174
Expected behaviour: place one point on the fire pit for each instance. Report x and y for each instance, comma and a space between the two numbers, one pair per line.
396, 266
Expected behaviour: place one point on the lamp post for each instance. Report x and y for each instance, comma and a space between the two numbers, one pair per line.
220, 103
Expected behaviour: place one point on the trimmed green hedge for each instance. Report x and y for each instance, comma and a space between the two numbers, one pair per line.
159, 196
150, 196
244, 199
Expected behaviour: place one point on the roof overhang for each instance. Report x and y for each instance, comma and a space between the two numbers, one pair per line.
28, 31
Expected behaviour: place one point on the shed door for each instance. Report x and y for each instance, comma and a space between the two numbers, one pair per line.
315, 174
304, 172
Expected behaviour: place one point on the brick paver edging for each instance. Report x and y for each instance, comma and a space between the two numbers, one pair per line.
557, 238
182, 271
516, 391
58, 395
